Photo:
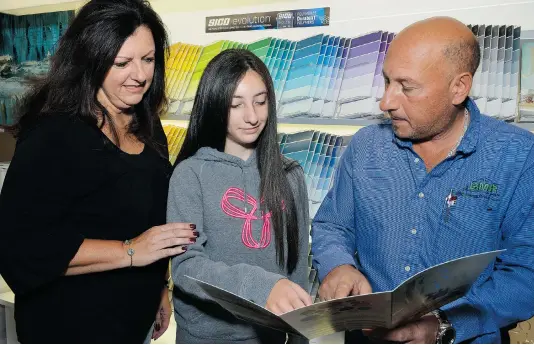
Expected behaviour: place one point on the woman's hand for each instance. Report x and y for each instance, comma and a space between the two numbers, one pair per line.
154, 244
161, 241
287, 296
163, 316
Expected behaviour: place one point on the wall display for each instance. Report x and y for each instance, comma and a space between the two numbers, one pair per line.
319, 76
318, 153
496, 83
269, 20
175, 139
322, 76
362, 86
326, 76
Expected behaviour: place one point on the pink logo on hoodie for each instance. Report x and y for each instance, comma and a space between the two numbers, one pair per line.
236, 212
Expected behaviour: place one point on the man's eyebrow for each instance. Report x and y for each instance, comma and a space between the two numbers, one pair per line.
400, 79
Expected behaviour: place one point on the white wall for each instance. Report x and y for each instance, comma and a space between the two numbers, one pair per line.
23, 7
353, 17
6, 5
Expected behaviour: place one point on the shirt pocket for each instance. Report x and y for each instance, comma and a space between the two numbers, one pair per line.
378, 204
469, 223
377, 179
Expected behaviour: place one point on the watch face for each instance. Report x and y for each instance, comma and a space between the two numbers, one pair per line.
449, 335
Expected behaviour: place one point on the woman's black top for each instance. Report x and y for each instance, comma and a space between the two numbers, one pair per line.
68, 182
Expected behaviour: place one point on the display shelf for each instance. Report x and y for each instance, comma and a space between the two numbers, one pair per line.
7, 299
293, 125
317, 121
529, 126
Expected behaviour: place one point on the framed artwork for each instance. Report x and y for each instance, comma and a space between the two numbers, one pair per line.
526, 101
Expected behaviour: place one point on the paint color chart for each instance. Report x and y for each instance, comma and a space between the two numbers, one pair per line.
496, 83
318, 153
175, 139
322, 76
319, 76
340, 77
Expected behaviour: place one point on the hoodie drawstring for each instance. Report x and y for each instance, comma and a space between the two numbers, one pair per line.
244, 188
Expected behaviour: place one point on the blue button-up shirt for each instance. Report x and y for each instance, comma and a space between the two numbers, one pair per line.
388, 216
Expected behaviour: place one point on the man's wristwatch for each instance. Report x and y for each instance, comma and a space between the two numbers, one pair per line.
446, 333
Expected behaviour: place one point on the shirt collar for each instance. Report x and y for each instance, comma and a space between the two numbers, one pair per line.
470, 140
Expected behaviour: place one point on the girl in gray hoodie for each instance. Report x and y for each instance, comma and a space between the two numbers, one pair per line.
248, 202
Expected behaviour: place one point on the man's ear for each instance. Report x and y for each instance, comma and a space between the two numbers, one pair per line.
460, 87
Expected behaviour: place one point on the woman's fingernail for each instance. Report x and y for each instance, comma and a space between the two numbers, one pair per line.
192, 240
184, 248
196, 233
192, 226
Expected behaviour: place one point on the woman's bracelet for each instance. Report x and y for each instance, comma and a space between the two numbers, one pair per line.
130, 251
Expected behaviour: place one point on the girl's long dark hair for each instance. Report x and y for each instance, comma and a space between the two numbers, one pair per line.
84, 55
208, 128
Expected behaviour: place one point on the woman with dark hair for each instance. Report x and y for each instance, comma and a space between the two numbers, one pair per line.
83, 240
249, 204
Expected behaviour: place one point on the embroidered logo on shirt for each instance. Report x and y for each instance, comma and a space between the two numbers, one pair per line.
482, 189
236, 212
481, 186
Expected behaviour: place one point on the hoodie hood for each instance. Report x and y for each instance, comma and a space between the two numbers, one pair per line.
248, 168
209, 154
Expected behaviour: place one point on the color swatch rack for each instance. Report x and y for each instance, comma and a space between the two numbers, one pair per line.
333, 77
496, 82
175, 139
320, 76
318, 153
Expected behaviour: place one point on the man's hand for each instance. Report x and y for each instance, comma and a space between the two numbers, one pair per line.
422, 331
343, 281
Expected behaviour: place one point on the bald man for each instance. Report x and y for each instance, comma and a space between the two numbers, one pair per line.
441, 182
